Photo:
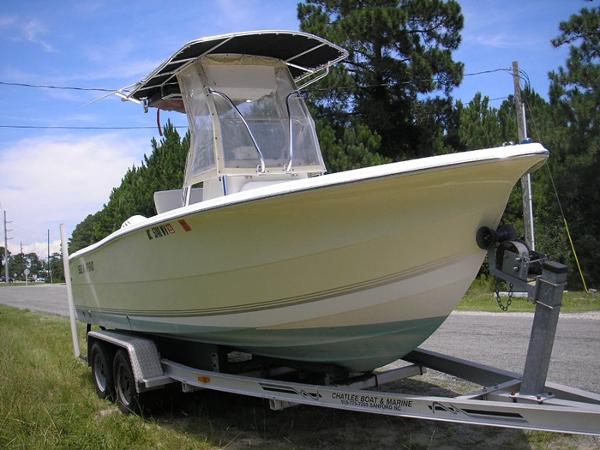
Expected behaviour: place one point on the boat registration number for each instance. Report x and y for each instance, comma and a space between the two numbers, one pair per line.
160, 231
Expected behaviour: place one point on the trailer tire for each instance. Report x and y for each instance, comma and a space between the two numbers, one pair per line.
126, 395
102, 374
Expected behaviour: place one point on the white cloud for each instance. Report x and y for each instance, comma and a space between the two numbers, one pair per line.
29, 30
496, 40
232, 15
117, 59
41, 248
32, 29
6, 21
493, 25
120, 49
9, 72
50, 180
503, 40
88, 7
132, 70
235, 12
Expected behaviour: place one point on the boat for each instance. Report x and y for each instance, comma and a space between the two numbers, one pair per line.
263, 252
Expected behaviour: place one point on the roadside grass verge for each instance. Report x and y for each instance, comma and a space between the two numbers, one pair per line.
47, 401
480, 297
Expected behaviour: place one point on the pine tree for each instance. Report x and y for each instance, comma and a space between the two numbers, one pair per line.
162, 170
479, 124
574, 97
399, 52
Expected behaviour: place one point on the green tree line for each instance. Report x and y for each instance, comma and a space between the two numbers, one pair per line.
392, 101
38, 268
163, 169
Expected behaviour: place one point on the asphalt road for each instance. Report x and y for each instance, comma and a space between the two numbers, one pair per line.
499, 340
47, 298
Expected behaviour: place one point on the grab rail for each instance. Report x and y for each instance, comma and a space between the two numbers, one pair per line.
262, 168
288, 166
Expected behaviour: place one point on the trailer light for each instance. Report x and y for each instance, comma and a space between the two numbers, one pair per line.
203, 379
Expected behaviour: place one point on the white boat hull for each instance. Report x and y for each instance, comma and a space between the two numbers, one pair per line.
355, 269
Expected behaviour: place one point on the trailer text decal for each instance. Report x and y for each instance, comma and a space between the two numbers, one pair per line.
371, 401
160, 231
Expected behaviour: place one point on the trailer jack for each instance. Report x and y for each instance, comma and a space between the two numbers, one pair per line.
544, 281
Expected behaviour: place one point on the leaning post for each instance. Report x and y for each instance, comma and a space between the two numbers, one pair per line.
65, 253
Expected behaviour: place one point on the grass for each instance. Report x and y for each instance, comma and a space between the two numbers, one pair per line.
480, 297
47, 400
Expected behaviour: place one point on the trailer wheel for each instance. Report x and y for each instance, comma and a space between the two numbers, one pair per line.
126, 395
101, 370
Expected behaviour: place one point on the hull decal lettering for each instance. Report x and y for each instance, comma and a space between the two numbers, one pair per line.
160, 231
88, 266
186, 226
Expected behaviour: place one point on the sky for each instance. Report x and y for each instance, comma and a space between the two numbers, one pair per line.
48, 177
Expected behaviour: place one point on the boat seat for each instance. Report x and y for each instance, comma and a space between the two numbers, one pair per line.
167, 200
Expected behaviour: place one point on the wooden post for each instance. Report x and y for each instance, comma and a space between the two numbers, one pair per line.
65, 255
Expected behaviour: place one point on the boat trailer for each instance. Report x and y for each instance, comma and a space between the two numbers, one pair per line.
506, 399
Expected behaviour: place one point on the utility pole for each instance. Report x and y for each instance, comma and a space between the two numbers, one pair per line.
49, 274
6, 257
525, 179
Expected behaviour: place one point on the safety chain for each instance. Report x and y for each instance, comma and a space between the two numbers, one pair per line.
502, 306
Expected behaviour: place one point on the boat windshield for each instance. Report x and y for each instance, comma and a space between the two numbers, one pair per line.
261, 121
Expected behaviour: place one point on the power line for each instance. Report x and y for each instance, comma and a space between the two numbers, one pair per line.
484, 72
522, 74
40, 127
79, 88
47, 86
